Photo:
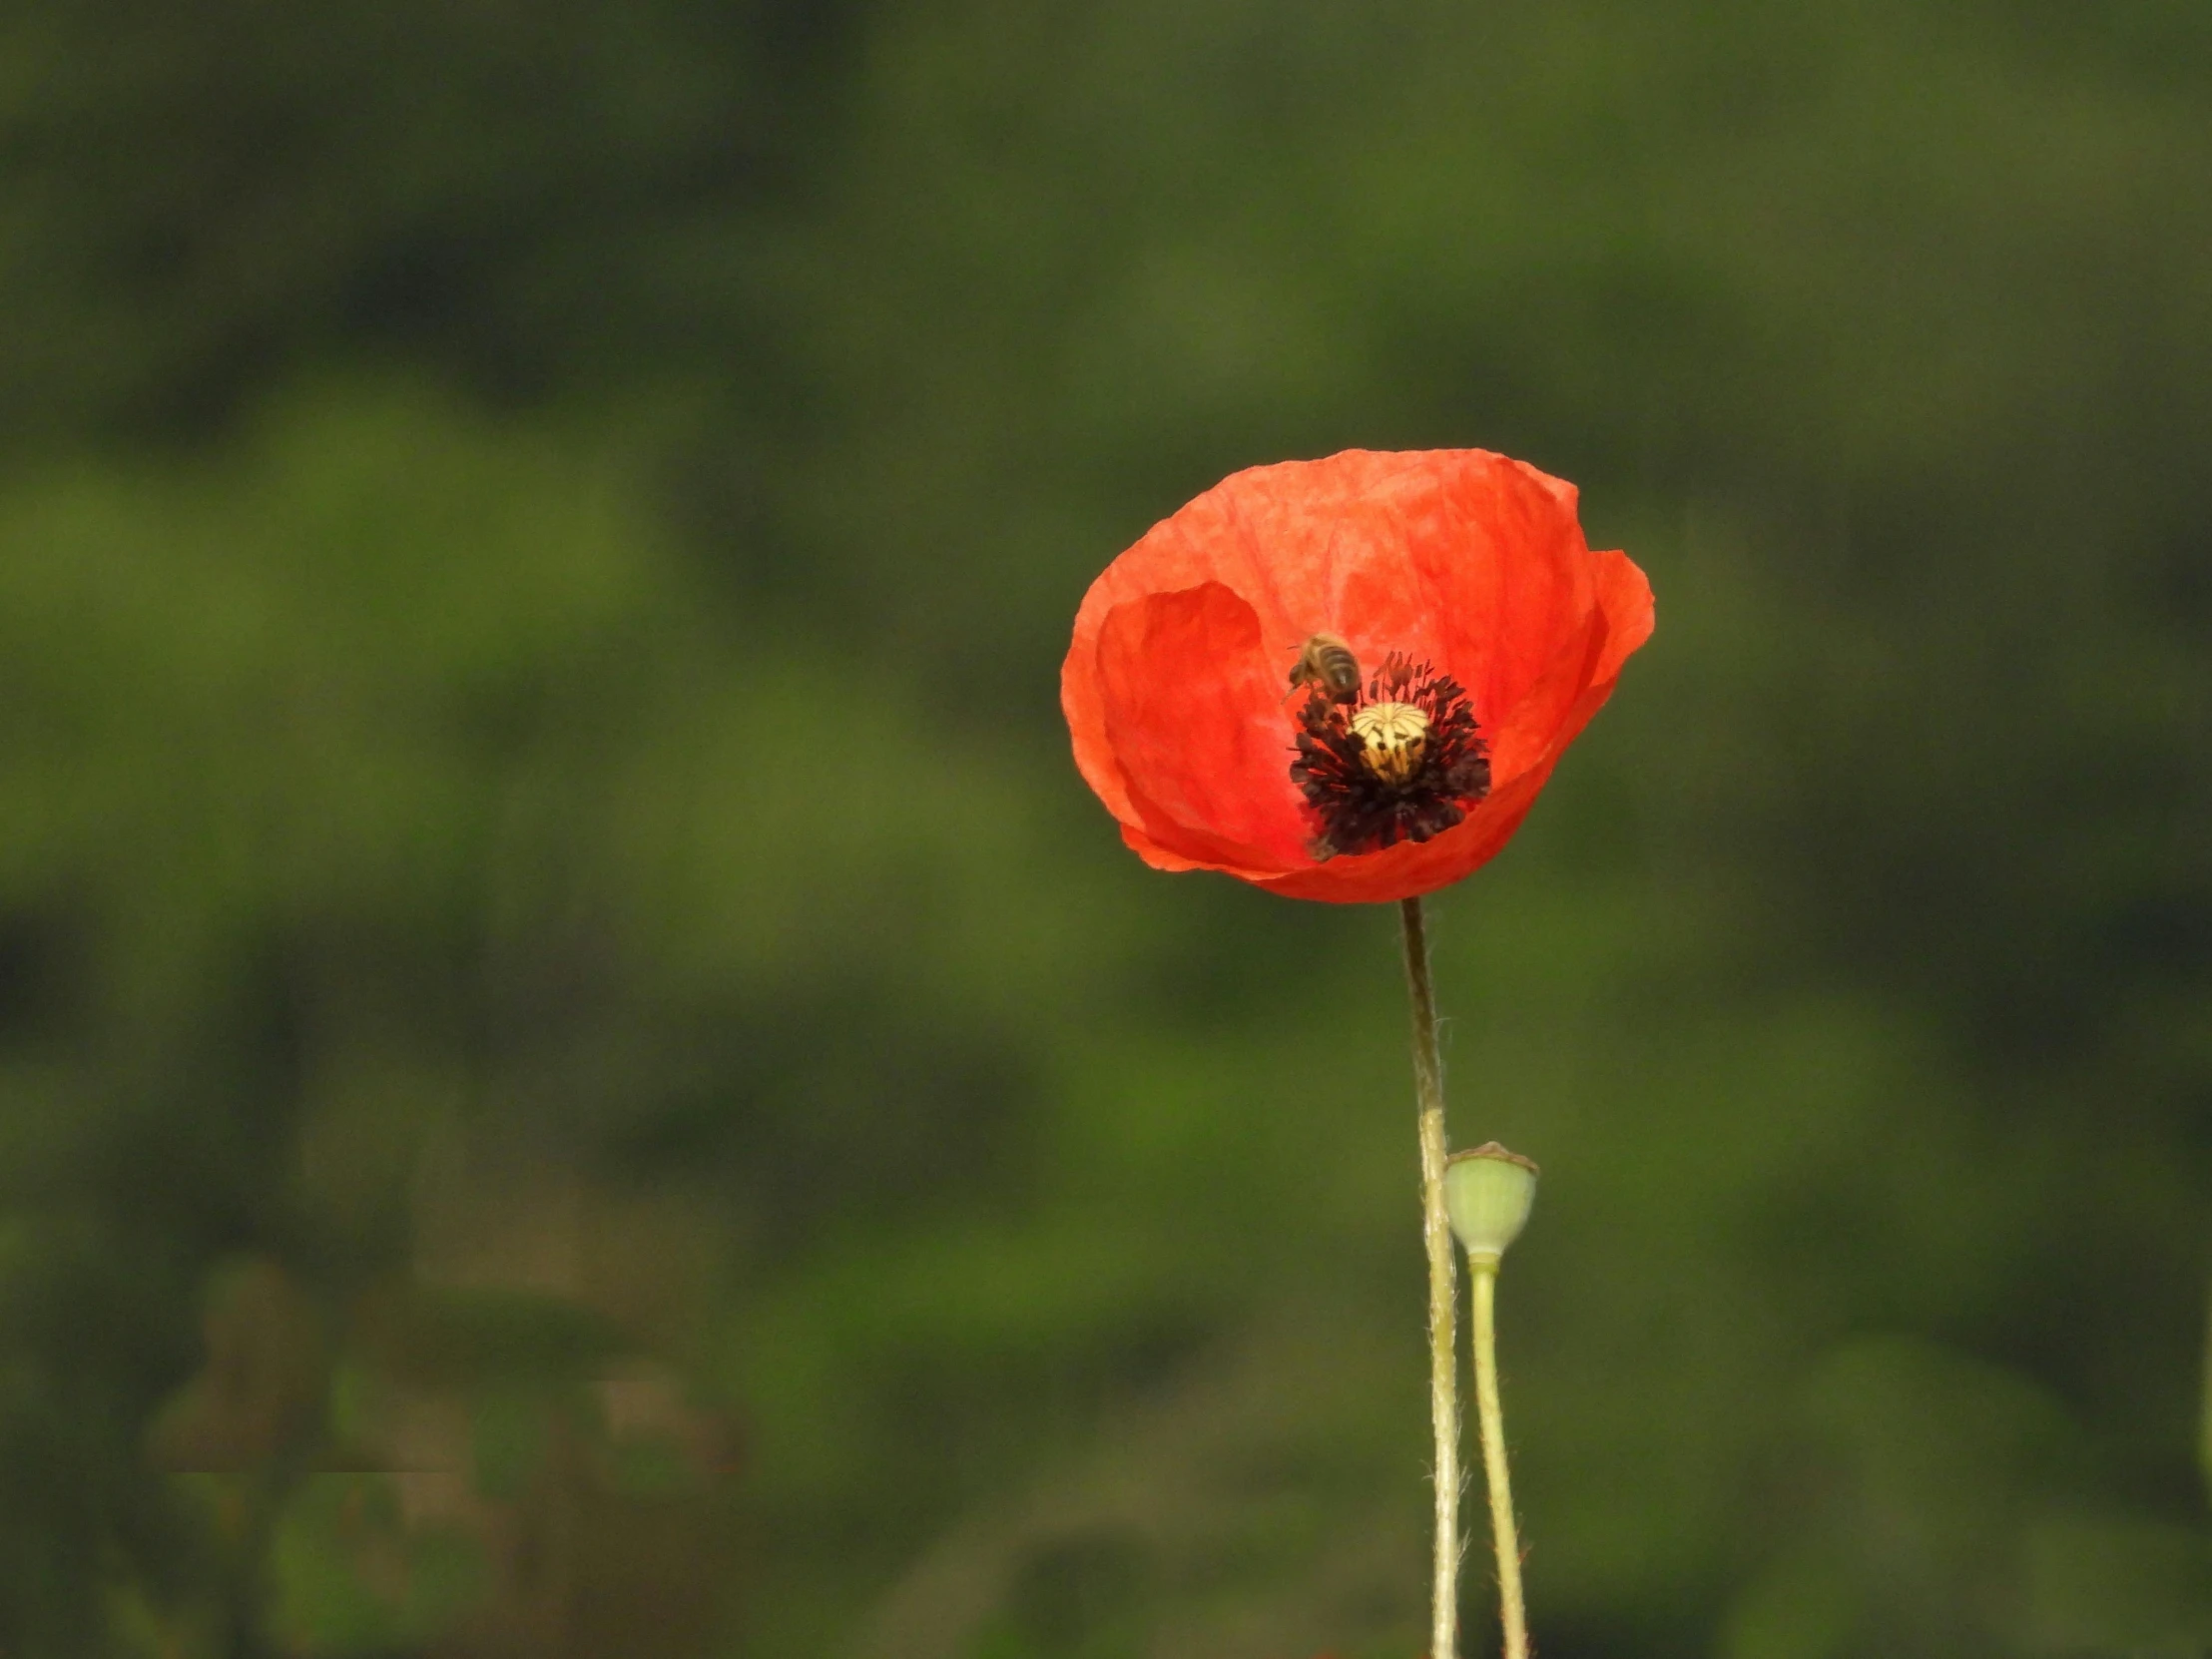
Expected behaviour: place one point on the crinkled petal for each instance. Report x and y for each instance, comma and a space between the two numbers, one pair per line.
1194, 719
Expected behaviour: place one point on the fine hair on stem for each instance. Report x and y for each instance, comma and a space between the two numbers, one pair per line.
1444, 1400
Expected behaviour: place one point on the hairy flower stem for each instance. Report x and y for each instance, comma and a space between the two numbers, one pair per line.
1444, 1397
1491, 1418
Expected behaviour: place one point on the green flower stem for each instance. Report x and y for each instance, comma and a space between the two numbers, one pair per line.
1443, 1398
1490, 1417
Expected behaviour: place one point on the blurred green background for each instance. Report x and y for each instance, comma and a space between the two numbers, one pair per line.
579, 1075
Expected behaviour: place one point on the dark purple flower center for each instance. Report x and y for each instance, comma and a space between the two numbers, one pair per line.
1400, 759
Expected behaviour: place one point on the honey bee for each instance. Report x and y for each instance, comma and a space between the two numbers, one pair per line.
1327, 664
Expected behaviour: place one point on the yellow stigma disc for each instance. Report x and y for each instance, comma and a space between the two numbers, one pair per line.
1392, 739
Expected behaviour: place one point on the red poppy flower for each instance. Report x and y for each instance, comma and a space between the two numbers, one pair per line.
1215, 712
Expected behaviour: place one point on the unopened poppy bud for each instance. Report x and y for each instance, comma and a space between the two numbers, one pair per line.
1487, 1193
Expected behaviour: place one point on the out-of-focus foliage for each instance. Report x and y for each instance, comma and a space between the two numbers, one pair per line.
578, 1075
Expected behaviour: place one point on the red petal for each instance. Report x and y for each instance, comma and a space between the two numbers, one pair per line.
1194, 718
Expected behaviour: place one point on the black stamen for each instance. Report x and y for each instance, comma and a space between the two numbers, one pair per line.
1360, 811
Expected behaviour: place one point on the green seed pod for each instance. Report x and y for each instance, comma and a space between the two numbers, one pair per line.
1487, 1193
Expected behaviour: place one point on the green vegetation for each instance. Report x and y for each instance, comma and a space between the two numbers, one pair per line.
578, 1074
